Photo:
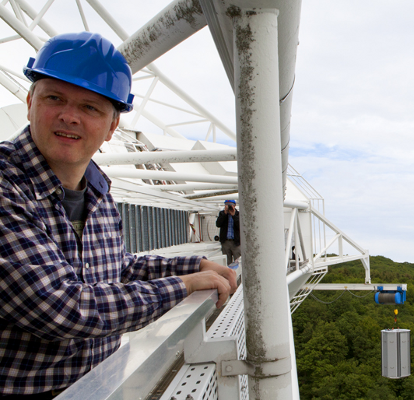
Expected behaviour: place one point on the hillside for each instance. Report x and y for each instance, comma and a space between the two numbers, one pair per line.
338, 345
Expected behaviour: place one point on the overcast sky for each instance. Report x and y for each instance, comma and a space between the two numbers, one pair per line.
352, 117
353, 120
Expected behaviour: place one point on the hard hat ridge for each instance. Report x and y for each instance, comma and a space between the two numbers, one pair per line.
87, 60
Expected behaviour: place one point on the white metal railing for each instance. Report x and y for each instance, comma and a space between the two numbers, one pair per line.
133, 371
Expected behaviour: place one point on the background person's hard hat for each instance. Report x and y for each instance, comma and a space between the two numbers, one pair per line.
87, 60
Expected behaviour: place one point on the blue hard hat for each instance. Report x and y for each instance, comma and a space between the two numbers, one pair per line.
87, 60
230, 201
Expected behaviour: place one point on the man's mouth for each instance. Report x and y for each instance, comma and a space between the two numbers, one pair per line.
67, 135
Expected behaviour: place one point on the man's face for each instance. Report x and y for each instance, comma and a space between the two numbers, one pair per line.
69, 123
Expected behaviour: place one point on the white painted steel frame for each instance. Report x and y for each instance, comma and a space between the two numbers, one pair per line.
130, 191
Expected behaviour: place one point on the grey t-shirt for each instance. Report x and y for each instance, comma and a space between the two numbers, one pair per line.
74, 205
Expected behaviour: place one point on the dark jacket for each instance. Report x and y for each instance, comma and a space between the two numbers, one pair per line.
223, 221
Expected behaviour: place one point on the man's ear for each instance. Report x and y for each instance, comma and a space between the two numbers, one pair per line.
29, 104
114, 125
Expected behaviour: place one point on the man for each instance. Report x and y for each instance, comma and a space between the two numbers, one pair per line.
228, 222
68, 289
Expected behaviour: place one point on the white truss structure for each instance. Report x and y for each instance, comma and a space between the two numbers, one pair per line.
165, 167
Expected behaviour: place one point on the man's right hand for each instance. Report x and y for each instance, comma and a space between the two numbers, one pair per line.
208, 280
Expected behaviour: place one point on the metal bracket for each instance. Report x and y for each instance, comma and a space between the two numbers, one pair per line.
262, 370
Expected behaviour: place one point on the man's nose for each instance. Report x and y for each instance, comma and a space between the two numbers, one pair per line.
70, 114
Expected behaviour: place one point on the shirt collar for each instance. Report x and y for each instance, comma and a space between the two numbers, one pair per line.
37, 169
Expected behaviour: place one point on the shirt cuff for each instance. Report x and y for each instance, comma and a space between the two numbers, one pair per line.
172, 291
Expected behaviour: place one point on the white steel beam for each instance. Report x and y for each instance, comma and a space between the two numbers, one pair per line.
175, 23
114, 172
212, 194
20, 28
307, 269
165, 157
138, 110
339, 260
107, 17
341, 236
160, 124
134, 190
176, 89
13, 87
359, 286
185, 187
337, 230
82, 14
32, 13
40, 15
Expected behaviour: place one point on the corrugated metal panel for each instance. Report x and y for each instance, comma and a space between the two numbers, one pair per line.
140, 229
125, 224
132, 229
163, 229
168, 227
149, 228
145, 224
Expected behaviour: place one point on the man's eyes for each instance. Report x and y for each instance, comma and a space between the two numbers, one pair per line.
87, 107
90, 108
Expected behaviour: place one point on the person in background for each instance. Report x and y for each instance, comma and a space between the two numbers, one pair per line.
68, 288
229, 224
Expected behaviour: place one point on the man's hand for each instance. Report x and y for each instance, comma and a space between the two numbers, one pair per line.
229, 209
225, 272
212, 276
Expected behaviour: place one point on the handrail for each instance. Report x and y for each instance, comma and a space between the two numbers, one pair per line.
133, 371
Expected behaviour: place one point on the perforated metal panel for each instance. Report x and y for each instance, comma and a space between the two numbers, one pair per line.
194, 382
231, 323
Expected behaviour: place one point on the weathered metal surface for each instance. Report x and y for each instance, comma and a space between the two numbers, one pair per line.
261, 198
175, 23
219, 14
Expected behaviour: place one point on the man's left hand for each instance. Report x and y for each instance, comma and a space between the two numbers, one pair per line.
225, 272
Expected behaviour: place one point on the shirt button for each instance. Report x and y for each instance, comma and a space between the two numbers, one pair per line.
58, 191
87, 265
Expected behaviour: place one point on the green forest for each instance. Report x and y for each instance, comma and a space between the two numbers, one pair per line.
338, 345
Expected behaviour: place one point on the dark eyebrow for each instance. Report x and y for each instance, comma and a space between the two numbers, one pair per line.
53, 91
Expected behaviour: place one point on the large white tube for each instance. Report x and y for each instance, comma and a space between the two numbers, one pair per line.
261, 202
115, 172
165, 157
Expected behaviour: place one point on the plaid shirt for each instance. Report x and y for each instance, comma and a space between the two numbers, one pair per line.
62, 311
